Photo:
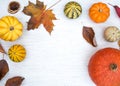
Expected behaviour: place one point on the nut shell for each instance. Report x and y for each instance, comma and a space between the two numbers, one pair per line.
13, 7
112, 34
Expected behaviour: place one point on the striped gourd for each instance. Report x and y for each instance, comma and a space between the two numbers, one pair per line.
17, 53
72, 10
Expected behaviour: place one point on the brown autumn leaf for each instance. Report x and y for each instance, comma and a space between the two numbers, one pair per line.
14, 81
39, 15
1, 49
89, 35
3, 68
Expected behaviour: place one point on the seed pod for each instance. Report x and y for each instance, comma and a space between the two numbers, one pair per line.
72, 10
112, 34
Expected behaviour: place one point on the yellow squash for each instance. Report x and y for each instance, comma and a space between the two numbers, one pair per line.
17, 53
10, 28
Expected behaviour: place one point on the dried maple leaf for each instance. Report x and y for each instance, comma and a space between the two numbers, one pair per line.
89, 35
1, 49
39, 15
15, 81
3, 68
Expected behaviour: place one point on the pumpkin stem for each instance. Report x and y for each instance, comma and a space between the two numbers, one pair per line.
11, 28
100, 10
113, 67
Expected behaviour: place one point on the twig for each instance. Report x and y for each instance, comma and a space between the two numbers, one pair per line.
110, 4
3, 55
54, 4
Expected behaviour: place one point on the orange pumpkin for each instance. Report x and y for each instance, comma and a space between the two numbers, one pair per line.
104, 67
99, 12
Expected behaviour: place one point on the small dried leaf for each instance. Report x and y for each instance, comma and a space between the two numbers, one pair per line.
1, 49
89, 35
119, 43
14, 81
117, 9
3, 68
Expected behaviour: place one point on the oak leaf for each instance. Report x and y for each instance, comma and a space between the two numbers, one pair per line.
14, 81
89, 35
39, 15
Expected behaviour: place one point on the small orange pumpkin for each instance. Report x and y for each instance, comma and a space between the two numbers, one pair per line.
99, 12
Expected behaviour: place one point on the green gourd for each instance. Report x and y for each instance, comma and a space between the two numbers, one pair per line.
72, 10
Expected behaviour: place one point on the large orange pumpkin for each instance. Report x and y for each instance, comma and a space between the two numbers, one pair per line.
104, 67
99, 12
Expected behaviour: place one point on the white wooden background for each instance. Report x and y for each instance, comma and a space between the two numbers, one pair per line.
62, 58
